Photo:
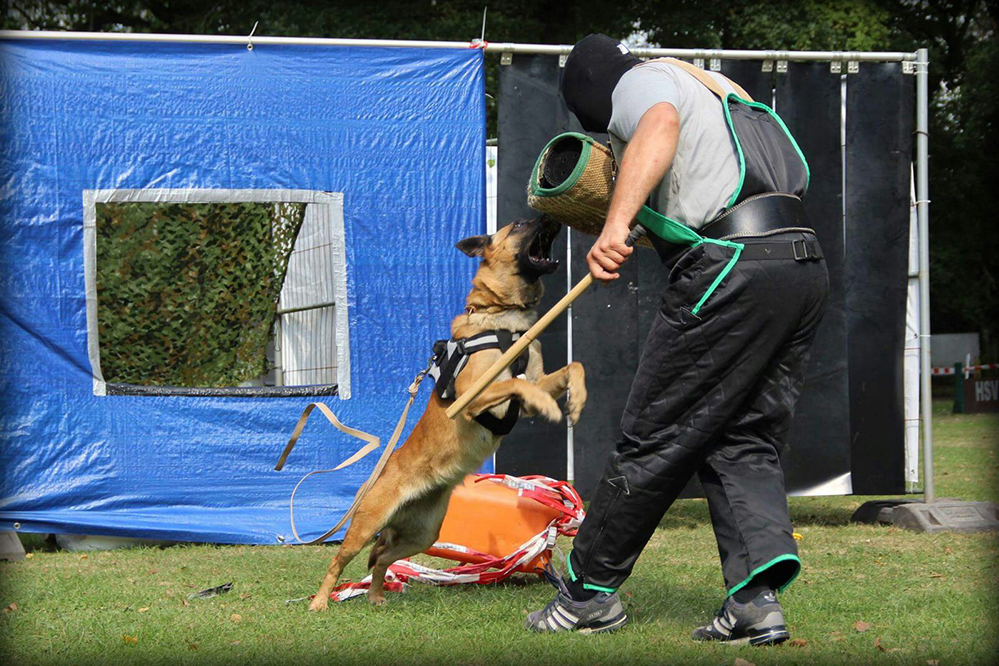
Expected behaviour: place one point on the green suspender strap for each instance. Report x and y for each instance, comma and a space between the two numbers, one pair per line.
678, 233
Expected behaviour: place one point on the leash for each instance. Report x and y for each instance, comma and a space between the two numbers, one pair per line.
372, 443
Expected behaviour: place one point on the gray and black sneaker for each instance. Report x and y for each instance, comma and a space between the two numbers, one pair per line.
756, 622
603, 612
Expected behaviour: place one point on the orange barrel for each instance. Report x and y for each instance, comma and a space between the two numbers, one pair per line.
492, 519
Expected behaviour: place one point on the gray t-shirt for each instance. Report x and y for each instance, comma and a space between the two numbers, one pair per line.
705, 170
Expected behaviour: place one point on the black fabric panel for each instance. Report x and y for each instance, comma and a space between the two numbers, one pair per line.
750, 75
818, 449
606, 334
879, 124
530, 113
606, 330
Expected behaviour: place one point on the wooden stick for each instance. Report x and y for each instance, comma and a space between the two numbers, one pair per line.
511, 354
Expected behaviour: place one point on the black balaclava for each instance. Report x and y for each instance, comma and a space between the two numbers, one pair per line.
593, 68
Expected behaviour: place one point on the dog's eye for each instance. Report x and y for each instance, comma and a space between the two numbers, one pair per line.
518, 224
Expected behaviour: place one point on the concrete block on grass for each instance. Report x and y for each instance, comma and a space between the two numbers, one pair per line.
947, 516
10, 547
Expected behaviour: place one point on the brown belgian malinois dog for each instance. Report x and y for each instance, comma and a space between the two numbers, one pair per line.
406, 504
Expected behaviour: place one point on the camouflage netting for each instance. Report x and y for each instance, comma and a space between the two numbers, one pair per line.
187, 293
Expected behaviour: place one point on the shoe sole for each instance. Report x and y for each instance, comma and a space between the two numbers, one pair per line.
770, 638
610, 626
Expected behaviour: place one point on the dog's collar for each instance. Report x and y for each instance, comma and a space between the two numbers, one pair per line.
471, 309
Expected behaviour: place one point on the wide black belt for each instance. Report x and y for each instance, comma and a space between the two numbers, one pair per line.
758, 215
800, 249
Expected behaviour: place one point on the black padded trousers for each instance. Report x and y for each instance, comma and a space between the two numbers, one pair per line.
714, 395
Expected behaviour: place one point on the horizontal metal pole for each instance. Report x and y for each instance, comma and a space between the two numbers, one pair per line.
491, 47
317, 306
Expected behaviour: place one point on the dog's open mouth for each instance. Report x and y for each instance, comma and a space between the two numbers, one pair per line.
539, 251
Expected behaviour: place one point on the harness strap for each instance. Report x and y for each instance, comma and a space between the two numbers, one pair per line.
450, 358
501, 427
709, 81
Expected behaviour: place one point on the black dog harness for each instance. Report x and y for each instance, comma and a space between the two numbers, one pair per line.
450, 358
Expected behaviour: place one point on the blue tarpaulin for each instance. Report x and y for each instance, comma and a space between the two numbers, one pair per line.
400, 132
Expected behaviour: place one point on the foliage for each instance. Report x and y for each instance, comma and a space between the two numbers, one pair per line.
764, 24
187, 293
961, 36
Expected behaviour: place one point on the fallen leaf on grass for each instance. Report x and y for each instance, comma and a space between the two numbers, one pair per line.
935, 575
245, 596
192, 646
236, 617
797, 536
84, 556
129, 640
932, 662
861, 626
739, 661
797, 642
144, 609
10, 608
29, 555
184, 601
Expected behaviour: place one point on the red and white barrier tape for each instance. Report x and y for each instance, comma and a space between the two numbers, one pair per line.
555, 494
949, 369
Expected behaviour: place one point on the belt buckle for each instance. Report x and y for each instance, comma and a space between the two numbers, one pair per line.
804, 250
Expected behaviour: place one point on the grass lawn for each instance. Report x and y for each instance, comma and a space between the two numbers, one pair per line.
926, 598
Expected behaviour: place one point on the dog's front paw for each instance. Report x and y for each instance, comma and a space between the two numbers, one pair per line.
376, 599
547, 408
319, 604
575, 393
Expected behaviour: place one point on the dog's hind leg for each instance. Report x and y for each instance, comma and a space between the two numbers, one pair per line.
384, 541
375, 510
415, 527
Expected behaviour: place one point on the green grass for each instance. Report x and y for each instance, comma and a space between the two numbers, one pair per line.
925, 597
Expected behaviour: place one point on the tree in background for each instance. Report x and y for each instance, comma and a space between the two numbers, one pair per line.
961, 35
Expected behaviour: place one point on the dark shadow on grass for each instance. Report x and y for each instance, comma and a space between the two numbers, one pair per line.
805, 511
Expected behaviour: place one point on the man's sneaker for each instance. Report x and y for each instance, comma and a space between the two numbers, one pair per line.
756, 622
601, 613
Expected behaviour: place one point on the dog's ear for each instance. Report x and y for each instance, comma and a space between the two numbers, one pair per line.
473, 246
